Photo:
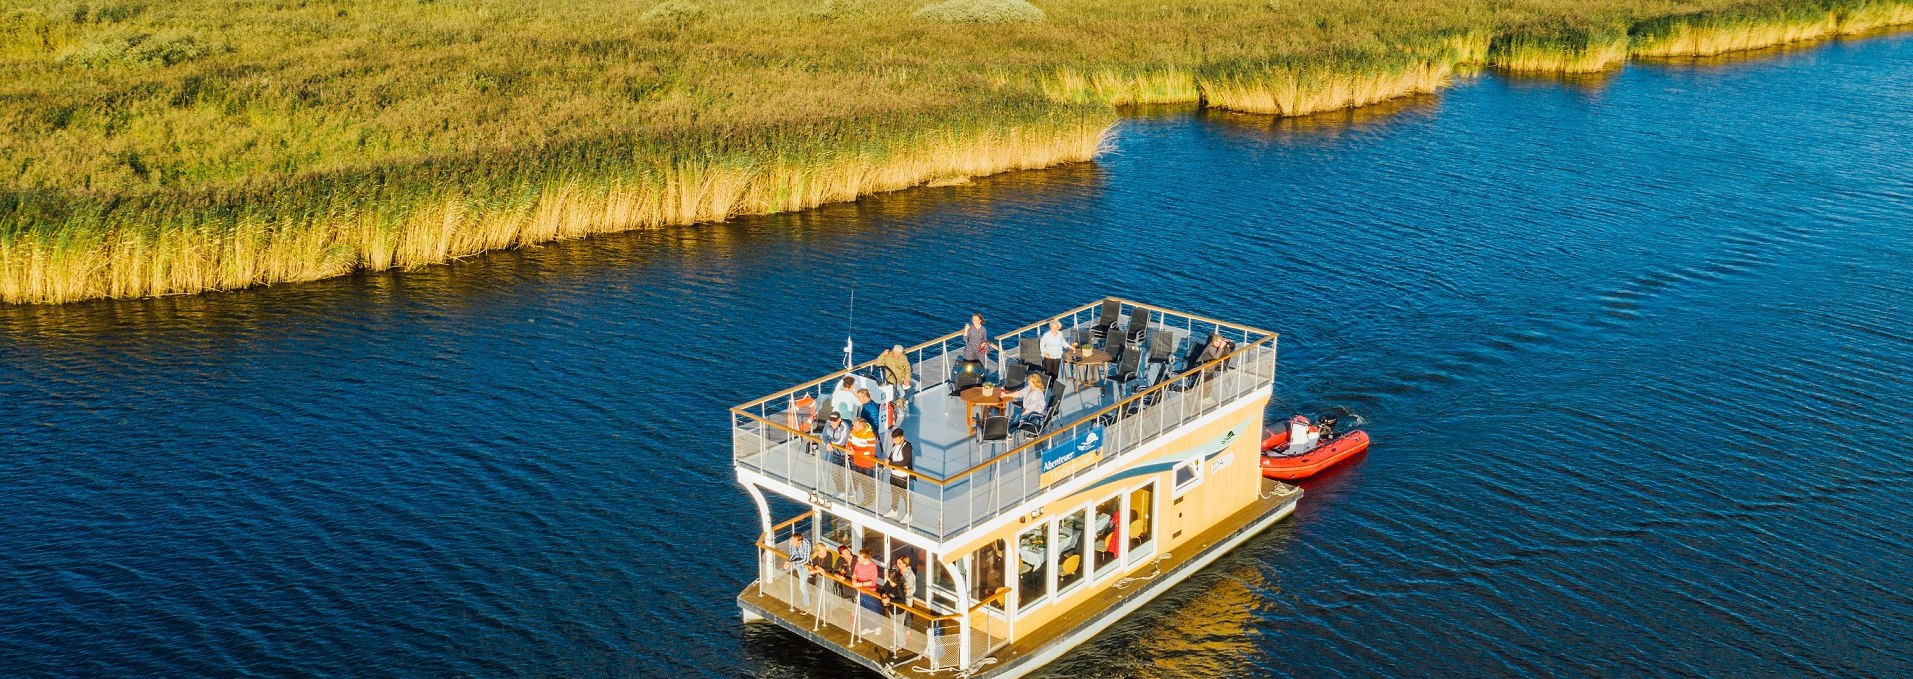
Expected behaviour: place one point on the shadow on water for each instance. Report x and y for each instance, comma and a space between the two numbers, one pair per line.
1324, 126
720, 251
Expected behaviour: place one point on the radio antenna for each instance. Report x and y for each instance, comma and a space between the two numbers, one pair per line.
850, 326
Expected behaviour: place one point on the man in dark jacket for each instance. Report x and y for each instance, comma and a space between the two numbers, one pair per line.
902, 460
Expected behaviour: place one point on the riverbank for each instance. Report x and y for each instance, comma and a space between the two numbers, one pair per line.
151, 153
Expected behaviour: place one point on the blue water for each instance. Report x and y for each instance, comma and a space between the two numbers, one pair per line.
1635, 353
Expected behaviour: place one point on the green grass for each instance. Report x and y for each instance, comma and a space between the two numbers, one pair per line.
156, 147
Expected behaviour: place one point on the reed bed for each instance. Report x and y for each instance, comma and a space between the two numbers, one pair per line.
442, 211
151, 148
1760, 25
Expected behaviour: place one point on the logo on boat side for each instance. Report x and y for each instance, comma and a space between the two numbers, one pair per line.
1072, 455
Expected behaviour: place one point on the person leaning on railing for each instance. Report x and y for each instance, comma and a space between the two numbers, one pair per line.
864, 577
836, 436
797, 563
863, 458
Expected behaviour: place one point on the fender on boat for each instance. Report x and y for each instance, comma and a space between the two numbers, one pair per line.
1321, 457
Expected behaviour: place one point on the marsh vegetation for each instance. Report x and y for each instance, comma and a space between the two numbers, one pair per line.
163, 147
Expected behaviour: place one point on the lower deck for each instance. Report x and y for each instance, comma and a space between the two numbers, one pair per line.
866, 639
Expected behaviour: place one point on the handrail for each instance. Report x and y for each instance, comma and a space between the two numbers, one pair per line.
794, 519
840, 373
945, 338
921, 613
1046, 319
880, 462
1196, 317
1027, 444
1059, 430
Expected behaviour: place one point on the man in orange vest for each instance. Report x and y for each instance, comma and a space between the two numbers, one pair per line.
863, 458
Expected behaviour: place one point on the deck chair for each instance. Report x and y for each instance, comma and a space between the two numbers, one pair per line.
1034, 429
1015, 376
1069, 566
1126, 370
1138, 326
1162, 350
1112, 312
995, 429
1029, 353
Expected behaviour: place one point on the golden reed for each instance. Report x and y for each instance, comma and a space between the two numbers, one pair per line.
76, 263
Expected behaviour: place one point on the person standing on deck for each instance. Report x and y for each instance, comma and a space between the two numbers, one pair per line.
863, 459
843, 400
1053, 347
836, 438
864, 577
903, 460
868, 412
795, 563
976, 340
896, 372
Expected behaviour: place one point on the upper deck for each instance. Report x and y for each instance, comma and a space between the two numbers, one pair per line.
960, 481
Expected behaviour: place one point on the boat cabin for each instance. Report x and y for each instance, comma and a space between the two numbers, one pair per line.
1029, 522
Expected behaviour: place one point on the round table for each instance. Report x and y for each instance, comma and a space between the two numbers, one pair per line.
977, 401
1081, 366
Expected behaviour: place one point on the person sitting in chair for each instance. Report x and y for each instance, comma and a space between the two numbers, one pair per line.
1034, 401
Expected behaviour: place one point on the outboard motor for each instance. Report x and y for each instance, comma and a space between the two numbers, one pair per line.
1302, 436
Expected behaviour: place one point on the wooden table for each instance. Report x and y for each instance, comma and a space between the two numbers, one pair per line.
977, 401
1080, 366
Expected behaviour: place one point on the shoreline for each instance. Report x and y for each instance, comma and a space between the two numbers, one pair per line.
56, 248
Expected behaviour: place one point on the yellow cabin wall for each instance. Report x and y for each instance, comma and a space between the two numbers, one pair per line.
1221, 494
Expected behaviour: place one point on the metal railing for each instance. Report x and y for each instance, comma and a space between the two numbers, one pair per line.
769, 435
901, 627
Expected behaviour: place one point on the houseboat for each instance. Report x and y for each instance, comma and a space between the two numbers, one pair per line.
1024, 536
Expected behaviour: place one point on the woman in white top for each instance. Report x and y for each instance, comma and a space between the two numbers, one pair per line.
1053, 347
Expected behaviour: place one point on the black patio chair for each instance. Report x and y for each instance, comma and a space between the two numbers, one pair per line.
1029, 353
1015, 376
1038, 427
1112, 312
995, 429
1138, 326
1127, 370
1162, 348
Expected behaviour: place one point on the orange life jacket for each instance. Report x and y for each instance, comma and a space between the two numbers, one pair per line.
863, 447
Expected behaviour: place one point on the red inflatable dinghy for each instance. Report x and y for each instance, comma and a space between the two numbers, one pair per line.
1279, 463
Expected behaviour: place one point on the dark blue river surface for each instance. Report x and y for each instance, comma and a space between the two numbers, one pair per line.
1637, 354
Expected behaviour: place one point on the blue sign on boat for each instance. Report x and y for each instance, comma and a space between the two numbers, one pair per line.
1070, 455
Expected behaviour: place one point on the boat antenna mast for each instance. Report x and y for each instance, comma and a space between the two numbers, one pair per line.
851, 325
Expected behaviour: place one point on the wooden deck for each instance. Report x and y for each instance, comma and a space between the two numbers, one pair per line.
1043, 645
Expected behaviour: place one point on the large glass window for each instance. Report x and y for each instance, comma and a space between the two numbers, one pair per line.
1032, 550
835, 530
1142, 521
1109, 540
988, 577
1070, 562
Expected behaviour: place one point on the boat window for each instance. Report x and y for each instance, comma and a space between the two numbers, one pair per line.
1070, 560
988, 562
1187, 475
1109, 541
834, 530
1032, 550
1142, 522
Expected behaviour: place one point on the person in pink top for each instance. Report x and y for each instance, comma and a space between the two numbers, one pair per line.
865, 576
